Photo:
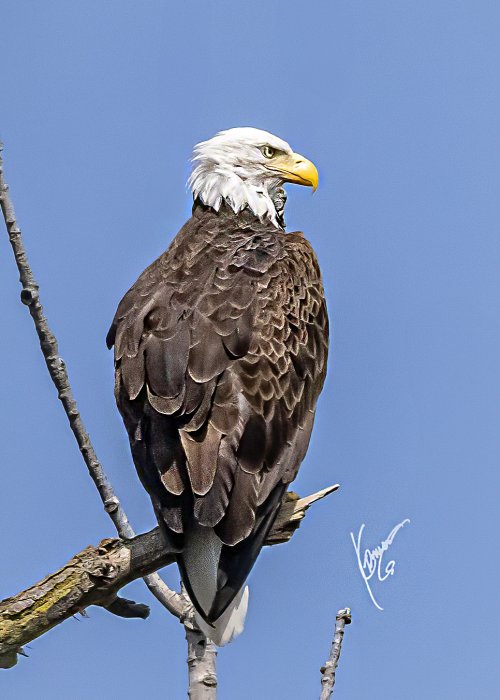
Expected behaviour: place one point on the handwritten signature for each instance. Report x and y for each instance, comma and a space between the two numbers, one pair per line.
372, 561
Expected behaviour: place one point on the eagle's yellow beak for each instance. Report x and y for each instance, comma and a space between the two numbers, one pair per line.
295, 168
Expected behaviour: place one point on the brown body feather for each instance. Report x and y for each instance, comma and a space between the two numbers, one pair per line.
220, 352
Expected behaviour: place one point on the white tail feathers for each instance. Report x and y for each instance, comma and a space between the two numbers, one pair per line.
201, 556
230, 624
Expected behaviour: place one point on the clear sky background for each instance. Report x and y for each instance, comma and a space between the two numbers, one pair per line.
397, 102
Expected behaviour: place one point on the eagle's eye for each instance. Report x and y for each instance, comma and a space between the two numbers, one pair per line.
268, 151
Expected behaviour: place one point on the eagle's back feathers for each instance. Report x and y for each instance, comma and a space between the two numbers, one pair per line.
220, 350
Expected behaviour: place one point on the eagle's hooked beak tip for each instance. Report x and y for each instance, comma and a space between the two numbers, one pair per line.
305, 172
297, 169
313, 176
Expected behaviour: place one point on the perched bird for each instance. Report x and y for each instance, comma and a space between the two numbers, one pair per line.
220, 355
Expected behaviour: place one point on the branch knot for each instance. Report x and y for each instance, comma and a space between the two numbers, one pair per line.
29, 295
111, 504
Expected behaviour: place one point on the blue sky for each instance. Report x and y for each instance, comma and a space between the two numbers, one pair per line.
397, 103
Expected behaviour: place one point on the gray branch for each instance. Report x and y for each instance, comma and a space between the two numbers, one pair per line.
56, 366
94, 577
342, 619
202, 658
91, 577
57, 369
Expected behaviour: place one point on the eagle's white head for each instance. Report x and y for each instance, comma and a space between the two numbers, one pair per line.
247, 167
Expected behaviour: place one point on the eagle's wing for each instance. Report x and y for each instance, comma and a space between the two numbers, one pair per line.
220, 352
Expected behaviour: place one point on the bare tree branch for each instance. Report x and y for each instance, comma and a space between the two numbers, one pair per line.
56, 366
58, 373
95, 575
342, 619
292, 512
91, 577
202, 657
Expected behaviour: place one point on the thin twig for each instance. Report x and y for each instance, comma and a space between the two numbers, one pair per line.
170, 600
58, 373
342, 619
56, 366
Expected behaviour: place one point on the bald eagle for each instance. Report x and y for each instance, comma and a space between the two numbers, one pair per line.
220, 355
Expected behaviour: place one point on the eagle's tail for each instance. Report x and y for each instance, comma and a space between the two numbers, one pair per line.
199, 565
230, 624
